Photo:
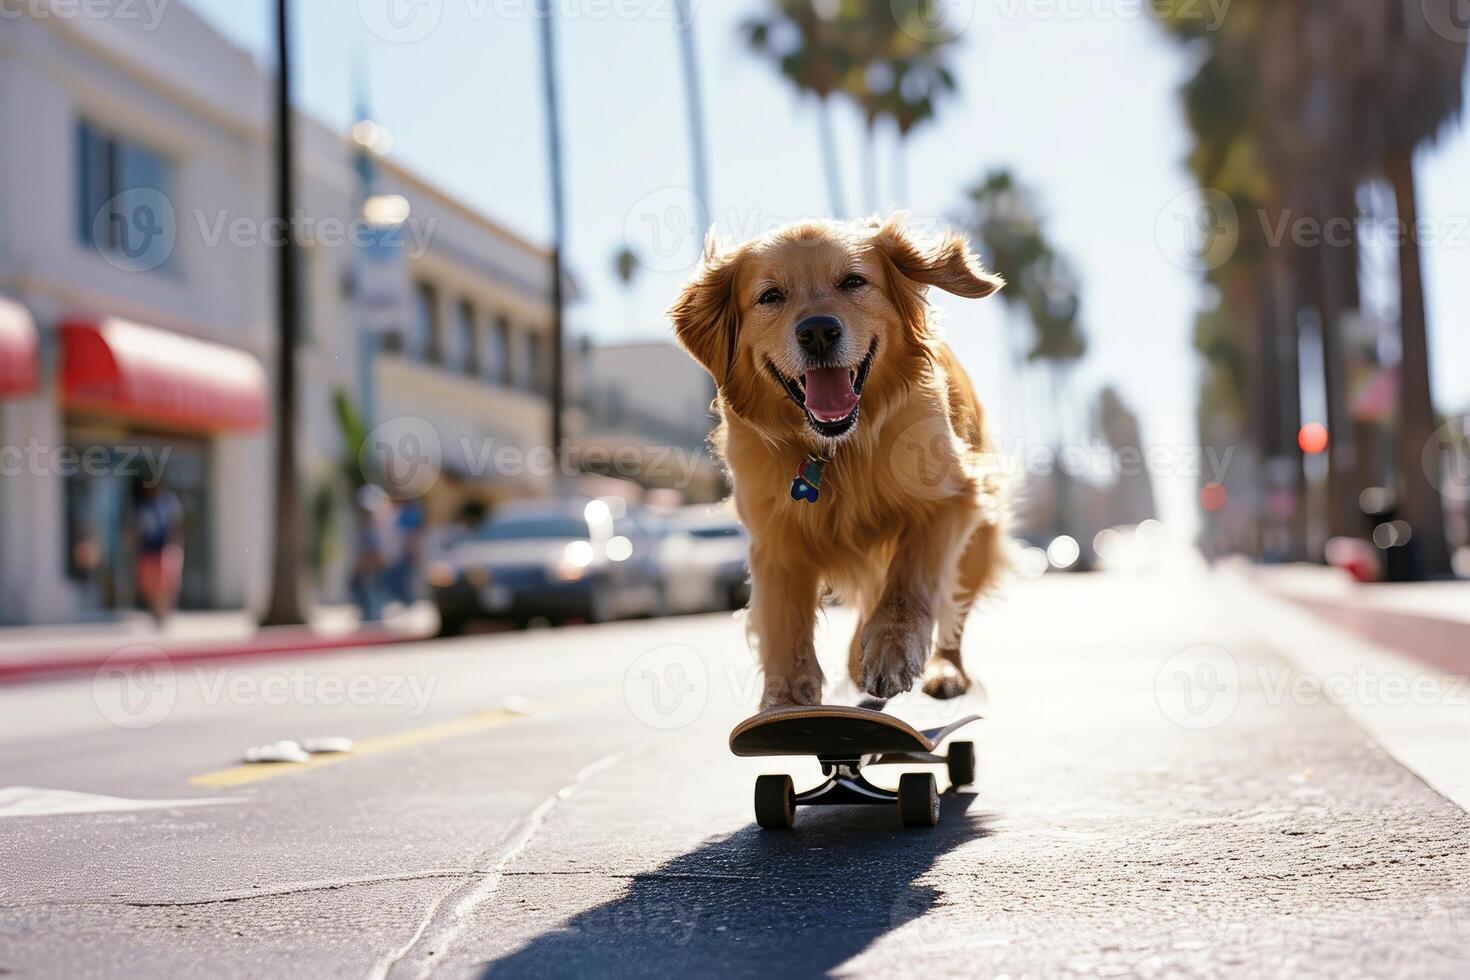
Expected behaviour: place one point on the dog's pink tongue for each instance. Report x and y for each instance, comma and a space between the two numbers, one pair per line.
829, 394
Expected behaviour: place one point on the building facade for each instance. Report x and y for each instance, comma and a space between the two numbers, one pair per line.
137, 323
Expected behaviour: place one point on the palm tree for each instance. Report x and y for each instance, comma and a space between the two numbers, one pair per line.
804, 41
1418, 86
693, 93
1341, 94
922, 82
1044, 290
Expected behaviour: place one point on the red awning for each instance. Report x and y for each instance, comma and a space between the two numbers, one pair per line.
144, 374
17, 349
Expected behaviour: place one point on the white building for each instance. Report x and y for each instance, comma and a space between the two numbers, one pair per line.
137, 292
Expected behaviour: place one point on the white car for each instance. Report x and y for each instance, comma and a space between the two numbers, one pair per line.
704, 561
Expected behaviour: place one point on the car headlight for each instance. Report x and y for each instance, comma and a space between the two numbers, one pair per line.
575, 559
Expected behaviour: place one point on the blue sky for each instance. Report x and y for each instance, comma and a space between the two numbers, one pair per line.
1083, 108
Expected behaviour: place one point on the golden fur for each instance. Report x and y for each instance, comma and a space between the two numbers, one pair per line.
909, 527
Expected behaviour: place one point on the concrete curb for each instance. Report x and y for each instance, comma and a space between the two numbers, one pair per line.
278, 641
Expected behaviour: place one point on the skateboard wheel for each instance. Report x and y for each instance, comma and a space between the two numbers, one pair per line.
775, 802
961, 763
918, 799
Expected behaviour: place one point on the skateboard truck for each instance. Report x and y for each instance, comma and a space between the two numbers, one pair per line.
844, 740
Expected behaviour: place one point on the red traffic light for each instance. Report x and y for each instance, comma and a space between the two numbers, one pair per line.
1312, 438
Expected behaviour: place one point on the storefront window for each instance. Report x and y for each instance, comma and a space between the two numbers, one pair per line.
123, 205
426, 322
467, 338
530, 373
497, 357
102, 494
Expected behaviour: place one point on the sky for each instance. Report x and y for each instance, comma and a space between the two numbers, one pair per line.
1078, 98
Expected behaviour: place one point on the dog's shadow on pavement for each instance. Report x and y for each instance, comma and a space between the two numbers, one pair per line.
760, 903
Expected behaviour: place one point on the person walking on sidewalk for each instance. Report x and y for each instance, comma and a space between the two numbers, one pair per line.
158, 524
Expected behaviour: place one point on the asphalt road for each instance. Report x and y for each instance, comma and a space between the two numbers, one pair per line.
1162, 792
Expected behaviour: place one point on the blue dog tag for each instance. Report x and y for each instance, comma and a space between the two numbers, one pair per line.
808, 483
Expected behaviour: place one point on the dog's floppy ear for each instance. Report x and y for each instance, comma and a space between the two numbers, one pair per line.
705, 320
945, 262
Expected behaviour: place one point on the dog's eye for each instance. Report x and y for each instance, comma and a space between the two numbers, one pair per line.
771, 297
853, 281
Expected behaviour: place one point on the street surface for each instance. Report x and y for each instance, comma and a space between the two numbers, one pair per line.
1162, 792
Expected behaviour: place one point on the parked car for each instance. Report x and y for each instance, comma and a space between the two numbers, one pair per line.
564, 560
704, 559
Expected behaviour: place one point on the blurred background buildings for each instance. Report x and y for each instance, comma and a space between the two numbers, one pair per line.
1295, 419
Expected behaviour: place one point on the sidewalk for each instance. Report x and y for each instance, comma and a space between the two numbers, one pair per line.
34, 652
1428, 621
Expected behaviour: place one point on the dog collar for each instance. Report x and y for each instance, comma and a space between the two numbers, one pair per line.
807, 485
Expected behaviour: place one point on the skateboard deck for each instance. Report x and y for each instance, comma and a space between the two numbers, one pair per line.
835, 732
844, 740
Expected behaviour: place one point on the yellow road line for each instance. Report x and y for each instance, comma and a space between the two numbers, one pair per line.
480, 721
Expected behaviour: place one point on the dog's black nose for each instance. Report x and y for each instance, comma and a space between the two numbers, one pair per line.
819, 335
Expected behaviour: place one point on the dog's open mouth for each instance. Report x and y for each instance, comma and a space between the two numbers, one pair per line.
830, 396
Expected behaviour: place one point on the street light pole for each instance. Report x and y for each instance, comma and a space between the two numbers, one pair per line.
558, 227
285, 607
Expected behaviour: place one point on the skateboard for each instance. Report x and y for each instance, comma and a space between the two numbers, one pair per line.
844, 740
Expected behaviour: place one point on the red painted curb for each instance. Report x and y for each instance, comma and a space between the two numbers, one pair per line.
1443, 644
289, 640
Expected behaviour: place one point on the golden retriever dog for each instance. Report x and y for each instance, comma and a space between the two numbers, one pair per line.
856, 445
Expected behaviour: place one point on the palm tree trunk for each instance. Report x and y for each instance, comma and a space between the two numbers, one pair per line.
870, 167
1419, 500
285, 607
693, 94
558, 225
1336, 277
829, 158
1291, 475
900, 172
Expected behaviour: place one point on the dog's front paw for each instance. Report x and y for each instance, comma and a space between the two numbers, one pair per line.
944, 679
790, 692
895, 644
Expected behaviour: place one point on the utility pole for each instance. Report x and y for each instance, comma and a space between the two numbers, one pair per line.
558, 228
285, 607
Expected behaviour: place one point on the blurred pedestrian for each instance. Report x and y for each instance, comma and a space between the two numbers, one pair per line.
369, 555
158, 533
402, 575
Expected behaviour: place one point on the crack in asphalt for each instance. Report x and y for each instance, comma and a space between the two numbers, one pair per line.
233, 897
481, 886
